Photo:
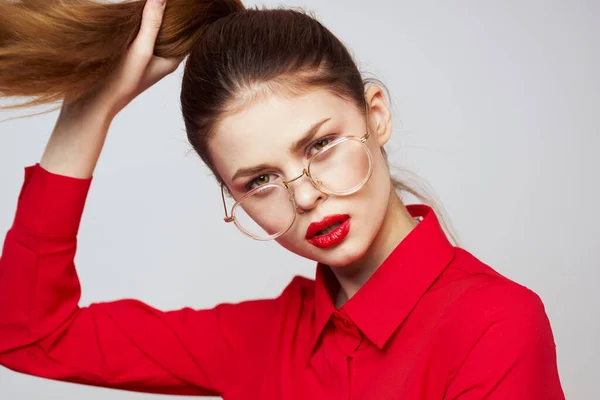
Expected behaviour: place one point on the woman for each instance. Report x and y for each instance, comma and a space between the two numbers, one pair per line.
275, 106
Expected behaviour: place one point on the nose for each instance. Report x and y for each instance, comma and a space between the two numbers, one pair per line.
306, 195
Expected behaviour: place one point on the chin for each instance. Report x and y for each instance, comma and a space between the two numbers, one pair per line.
344, 254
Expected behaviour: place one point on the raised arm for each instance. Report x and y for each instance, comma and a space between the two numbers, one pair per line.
124, 344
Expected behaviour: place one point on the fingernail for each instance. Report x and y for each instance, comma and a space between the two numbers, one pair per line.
160, 2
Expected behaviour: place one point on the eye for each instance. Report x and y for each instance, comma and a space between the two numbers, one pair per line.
258, 181
319, 144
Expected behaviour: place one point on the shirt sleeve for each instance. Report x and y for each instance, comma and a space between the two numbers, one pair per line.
124, 344
514, 357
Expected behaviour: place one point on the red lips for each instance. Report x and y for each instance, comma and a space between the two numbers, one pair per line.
326, 222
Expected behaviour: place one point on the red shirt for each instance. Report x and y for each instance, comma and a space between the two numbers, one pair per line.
433, 322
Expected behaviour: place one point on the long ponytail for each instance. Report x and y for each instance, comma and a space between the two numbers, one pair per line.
56, 49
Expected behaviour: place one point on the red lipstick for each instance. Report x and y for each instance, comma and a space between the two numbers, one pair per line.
328, 232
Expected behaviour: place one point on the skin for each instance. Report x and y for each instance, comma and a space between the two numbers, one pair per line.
263, 131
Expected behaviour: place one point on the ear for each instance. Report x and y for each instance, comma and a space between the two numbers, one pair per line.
379, 114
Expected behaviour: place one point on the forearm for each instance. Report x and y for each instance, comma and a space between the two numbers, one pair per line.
77, 140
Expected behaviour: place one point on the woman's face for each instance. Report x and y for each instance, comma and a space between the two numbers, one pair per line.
264, 133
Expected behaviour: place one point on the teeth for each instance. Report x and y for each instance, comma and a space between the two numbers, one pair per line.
329, 229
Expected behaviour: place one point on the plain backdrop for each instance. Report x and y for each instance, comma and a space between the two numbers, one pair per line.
496, 107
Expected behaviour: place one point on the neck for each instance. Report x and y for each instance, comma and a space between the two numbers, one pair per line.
396, 225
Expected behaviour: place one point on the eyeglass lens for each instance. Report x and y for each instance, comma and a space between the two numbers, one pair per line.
339, 170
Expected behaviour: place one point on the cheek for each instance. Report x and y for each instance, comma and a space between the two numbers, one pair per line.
377, 190
374, 199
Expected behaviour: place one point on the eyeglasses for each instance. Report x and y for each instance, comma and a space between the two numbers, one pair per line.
268, 211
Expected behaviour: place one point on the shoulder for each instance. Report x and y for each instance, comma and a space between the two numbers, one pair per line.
288, 305
479, 287
485, 301
297, 291
300, 288
496, 336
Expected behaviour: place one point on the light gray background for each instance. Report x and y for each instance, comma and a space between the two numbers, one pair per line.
496, 107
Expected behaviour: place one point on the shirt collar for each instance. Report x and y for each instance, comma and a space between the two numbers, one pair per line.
386, 299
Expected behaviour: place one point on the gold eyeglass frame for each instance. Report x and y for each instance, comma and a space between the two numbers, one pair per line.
286, 185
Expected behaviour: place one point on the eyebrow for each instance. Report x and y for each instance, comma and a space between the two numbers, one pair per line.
307, 137
294, 148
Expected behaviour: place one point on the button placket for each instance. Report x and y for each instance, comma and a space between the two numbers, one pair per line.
348, 336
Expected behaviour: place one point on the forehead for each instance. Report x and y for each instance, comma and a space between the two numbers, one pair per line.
263, 131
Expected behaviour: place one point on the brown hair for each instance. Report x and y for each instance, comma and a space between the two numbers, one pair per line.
52, 50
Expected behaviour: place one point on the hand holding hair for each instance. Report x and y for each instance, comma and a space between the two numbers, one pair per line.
53, 50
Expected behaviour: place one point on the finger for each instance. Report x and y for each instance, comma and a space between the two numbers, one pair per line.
162, 66
158, 69
151, 22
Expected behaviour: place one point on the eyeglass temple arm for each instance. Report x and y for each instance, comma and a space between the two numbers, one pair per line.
364, 138
227, 217
368, 133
